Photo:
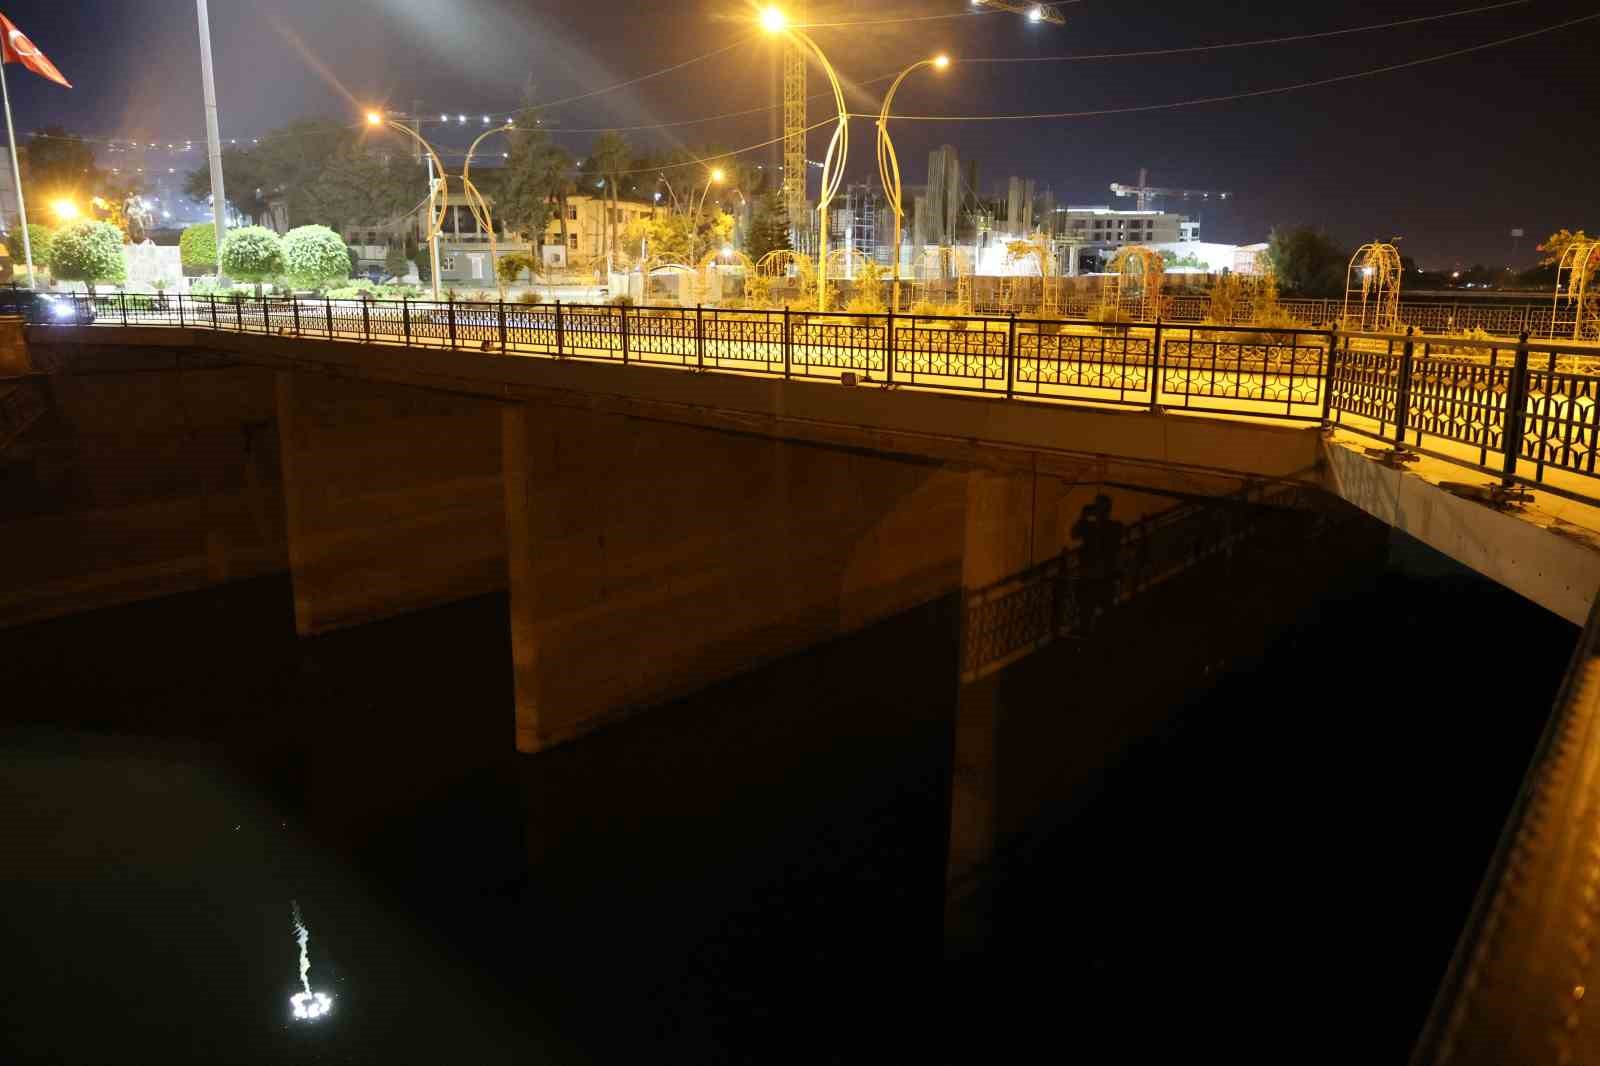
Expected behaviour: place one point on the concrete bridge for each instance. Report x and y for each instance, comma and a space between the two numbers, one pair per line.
672, 499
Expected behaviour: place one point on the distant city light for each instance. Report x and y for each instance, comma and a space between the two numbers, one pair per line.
485, 120
444, 118
461, 118
1036, 14
309, 1006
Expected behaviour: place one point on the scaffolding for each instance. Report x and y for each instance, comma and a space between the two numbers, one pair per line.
1026, 259
1372, 289
933, 271
1574, 269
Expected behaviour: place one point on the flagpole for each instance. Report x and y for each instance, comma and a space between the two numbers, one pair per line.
16, 175
219, 202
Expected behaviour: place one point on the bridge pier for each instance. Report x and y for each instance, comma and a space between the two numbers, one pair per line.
393, 497
650, 559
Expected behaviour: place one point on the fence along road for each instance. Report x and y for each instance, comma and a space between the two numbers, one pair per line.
1522, 410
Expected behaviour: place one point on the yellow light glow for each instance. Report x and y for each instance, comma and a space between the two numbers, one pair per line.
65, 210
374, 119
774, 20
717, 175
941, 61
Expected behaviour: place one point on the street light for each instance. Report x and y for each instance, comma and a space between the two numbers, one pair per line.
774, 21
715, 178
889, 164
65, 210
438, 190
479, 206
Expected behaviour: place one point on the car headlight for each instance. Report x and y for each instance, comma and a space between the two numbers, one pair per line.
62, 310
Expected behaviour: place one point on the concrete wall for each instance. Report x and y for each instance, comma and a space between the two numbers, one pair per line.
393, 497
649, 559
147, 476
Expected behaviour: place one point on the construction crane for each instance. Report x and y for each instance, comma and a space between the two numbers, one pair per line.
794, 138
1034, 12
1145, 192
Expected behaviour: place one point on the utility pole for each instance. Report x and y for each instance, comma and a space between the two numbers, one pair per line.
219, 203
433, 241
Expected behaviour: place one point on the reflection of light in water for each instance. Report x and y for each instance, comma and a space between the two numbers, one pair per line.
309, 1006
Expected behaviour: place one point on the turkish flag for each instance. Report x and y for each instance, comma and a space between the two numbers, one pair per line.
16, 48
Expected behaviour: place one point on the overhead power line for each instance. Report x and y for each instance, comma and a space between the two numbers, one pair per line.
1275, 90
1149, 53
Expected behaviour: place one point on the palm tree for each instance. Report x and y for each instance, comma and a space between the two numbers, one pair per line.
611, 156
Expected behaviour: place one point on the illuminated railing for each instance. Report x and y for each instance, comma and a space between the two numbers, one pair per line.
1525, 411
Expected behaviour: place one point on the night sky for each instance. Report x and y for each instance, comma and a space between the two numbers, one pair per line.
1449, 155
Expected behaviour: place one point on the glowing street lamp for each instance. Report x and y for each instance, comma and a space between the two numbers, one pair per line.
479, 206
438, 190
714, 178
774, 21
889, 164
65, 210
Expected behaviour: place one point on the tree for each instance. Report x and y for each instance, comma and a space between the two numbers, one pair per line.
59, 165
668, 235
89, 252
611, 156
395, 263
40, 237
1558, 242
359, 186
537, 177
285, 162
197, 247
253, 253
510, 268
769, 227
1307, 262
314, 256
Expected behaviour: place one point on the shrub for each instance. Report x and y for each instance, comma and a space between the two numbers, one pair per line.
424, 273
40, 237
530, 297
253, 254
89, 252
510, 268
757, 291
314, 257
622, 300
209, 286
395, 263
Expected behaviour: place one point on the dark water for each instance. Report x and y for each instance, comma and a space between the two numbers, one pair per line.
753, 875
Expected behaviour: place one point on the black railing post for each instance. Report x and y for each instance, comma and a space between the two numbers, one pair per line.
1402, 400
211, 299
181, 322
1516, 404
1155, 366
450, 314
622, 311
699, 337
788, 343
238, 311
561, 329
294, 312
266, 320
501, 307
122, 298
366, 318
1327, 381
327, 306
405, 315
888, 346
1011, 355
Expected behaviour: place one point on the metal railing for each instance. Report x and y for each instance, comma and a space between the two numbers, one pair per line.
1520, 410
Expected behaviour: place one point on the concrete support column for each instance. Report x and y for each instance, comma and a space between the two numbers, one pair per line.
999, 540
393, 495
650, 559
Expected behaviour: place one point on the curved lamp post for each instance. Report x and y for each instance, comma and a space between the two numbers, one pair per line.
714, 178
773, 20
480, 207
438, 190
889, 165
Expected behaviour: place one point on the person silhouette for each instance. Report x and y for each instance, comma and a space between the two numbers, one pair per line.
1099, 554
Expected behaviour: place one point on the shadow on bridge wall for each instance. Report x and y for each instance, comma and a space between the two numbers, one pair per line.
1068, 662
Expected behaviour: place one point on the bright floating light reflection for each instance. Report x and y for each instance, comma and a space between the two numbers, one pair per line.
309, 1006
